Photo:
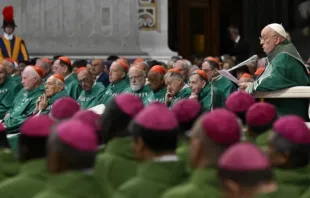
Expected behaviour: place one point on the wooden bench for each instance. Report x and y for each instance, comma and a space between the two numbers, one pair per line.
293, 92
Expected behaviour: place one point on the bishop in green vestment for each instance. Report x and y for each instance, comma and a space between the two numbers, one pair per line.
63, 67
205, 154
155, 147
208, 95
211, 67
137, 83
289, 155
92, 91
32, 155
25, 101
118, 80
8, 91
285, 69
70, 162
117, 163
177, 89
157, 85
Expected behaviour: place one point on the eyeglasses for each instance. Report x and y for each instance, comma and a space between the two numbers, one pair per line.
265, 39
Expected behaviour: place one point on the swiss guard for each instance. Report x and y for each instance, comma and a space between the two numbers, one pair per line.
11, 46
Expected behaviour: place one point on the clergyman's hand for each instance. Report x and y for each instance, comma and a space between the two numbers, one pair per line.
244, 85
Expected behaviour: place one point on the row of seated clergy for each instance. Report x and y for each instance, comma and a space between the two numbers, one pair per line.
92, 93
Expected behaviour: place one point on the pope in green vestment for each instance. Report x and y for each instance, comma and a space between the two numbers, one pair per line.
28, 182
23, 106
153, 179
116, 164
114, 89
158, 96
8, 91
9, 165
71, 184
142, 93
91, 98
184, 93
285, 69
203, 183
72, 86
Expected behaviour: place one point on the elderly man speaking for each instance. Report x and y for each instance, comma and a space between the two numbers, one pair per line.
285, 69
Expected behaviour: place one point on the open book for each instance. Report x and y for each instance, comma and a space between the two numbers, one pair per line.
228, 75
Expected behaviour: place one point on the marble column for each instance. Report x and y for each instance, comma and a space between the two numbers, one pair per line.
155, 41
78, 27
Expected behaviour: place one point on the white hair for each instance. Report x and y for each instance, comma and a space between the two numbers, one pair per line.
32, 72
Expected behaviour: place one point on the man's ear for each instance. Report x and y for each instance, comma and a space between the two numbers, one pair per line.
123, 75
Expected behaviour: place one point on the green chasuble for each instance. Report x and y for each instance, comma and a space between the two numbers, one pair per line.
72, 86
225, 86
285, 69
91, 98
31, 180
8, 90
23, 107
202, 184
51, 101
211, 97
143, 93
116, 164
291, 183
153, 179
9, 166
18, 81
115, 89
158, 96
184, 93
71, 184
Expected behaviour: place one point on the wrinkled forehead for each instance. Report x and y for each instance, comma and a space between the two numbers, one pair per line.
116, 66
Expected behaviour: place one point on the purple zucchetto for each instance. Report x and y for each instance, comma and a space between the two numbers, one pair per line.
292, 128
88, 117
239, 102
243, 157
37, 126
221, 126
64, 108
186, 110
129, 104
77, 135
260, 114
157, 117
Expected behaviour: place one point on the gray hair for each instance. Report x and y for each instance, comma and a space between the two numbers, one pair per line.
44, 64
174, 75
138, 69
186, 64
